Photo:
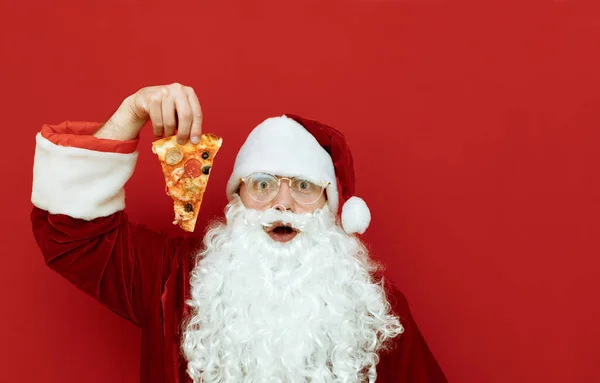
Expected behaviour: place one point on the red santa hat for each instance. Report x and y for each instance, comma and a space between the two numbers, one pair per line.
293, 146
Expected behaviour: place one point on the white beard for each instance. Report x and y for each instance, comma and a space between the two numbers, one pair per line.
306, 310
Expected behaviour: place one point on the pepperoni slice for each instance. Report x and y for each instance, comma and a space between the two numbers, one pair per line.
193, 168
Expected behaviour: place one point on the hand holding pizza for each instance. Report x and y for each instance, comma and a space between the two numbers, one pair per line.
171, 108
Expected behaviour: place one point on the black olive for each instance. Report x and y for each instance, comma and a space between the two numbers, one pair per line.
188, 207
206, 169
205, 155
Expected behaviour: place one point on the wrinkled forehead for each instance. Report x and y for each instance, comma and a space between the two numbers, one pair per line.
283, 177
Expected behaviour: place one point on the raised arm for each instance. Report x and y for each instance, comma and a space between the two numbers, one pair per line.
78, 218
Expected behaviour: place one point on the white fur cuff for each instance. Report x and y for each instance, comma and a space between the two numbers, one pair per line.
77, 182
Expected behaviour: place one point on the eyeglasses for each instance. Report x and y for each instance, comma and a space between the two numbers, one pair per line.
264, 187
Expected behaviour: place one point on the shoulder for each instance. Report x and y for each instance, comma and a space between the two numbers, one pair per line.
395, 297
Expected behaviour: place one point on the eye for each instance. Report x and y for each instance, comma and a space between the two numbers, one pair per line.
304, 186
262, 183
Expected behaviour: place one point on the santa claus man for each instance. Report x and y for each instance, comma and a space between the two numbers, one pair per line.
281, 290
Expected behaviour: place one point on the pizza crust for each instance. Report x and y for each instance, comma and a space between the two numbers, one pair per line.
186, 169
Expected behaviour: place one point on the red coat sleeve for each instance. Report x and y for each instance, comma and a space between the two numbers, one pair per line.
80, 225
121, 264
409, 359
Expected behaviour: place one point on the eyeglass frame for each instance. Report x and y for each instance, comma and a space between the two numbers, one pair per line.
323, 185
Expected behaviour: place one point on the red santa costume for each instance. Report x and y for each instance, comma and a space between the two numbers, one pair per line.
236, 307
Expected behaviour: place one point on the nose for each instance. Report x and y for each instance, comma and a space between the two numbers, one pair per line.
284, 200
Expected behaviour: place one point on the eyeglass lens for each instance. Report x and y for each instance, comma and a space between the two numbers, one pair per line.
264, 187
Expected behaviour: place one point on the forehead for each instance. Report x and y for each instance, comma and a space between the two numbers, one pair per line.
279, 176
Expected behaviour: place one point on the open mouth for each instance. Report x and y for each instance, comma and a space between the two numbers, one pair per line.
281, 232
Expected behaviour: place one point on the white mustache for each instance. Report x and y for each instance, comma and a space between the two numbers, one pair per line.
272, 217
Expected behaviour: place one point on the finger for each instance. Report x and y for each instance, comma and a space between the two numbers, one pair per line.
184, 115
197, 116
168, 116
155, 112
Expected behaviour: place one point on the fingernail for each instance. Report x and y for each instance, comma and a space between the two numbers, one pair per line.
180, 141
195, 140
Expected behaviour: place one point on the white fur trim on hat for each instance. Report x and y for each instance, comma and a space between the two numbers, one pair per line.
356, 216
282, 147
78, 182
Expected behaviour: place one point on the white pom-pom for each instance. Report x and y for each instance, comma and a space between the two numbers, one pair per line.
356, 216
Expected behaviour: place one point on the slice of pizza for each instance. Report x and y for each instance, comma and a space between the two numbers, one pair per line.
186, 169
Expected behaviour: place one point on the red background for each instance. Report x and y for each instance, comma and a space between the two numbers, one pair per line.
475, 136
